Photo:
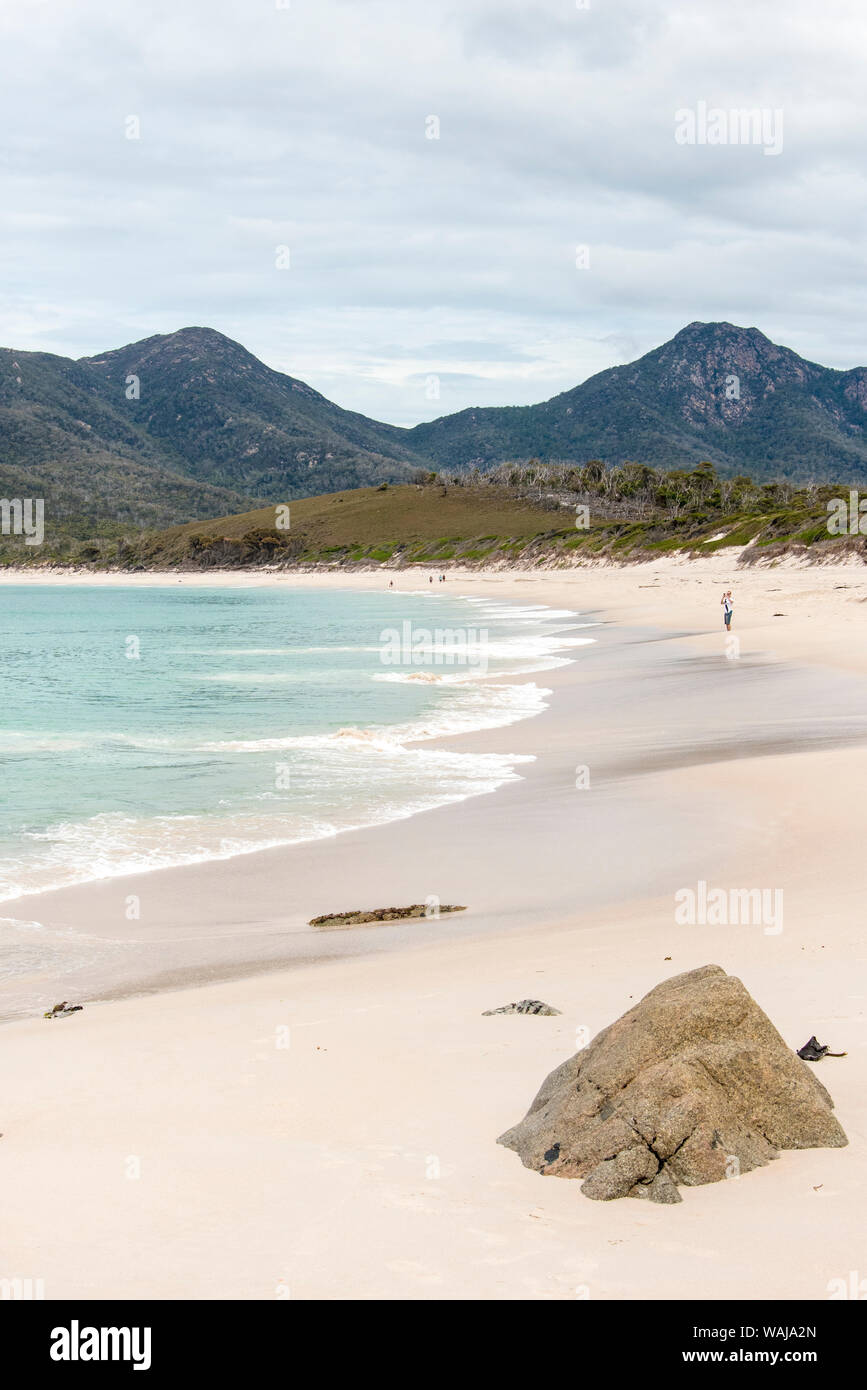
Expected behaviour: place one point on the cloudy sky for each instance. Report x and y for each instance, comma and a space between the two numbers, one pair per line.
480, 197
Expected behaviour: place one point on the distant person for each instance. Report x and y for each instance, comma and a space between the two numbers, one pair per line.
430, 580
728, 608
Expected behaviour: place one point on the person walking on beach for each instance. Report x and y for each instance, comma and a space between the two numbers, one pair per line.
728, 608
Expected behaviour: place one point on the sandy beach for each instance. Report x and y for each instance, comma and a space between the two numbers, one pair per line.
248, 1109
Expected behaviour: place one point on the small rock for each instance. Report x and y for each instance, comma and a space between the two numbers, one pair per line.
814, 1051
63, 1010
523, 1006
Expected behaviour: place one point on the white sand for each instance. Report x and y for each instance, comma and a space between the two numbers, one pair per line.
361, 1160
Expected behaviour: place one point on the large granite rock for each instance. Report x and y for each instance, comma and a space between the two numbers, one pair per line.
692, 1085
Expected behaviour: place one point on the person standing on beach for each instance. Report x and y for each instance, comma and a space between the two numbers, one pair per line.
728, 608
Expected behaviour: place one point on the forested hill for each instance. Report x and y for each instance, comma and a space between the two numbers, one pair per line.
190, 424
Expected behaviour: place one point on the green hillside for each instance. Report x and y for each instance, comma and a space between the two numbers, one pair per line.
514, 516
398, 524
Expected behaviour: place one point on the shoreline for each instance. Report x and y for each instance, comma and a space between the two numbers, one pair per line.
618, 592
249, 936
387, 1104
743, 558
237, 931
552, 649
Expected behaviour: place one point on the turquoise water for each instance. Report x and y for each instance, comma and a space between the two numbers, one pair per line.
143, 727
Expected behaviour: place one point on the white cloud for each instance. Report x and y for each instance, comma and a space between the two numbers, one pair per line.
305, 126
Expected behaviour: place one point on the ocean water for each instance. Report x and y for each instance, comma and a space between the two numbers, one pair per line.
147, 727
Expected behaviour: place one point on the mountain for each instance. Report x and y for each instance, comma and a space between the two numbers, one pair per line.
187, 425
212, 431
91, 464
237, 423
783, 417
